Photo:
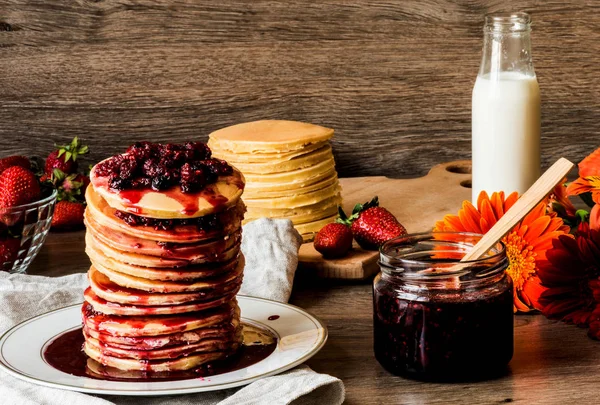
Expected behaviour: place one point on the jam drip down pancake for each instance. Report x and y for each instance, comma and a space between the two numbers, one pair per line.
163, 235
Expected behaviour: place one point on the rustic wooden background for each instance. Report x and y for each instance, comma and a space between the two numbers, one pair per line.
394, 78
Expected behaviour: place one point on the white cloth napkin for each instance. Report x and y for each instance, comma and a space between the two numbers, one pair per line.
271, 251
270, 247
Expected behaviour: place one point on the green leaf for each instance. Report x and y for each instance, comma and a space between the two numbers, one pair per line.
61, 151
559, 209
587, 199
58, 174
373, 203
343, 218
341, 213
68, 156
357, 209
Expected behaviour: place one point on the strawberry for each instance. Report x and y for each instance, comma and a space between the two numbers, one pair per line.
70, 187
68, 215
333, 240
84, 181
65, 158
371, 224
18, 186
11, 161
9, 250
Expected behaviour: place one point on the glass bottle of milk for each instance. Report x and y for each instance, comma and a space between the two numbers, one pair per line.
506, 109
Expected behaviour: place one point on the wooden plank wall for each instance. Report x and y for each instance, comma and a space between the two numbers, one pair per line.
394, 78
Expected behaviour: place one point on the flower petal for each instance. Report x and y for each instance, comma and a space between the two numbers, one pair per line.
483, 197
595, 218
585, 185
453, 222
511, 200
469, 217
590, 166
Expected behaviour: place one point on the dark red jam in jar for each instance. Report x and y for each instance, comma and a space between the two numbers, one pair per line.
438, 319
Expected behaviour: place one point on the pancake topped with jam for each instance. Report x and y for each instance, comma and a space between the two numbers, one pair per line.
167, 181
164, 226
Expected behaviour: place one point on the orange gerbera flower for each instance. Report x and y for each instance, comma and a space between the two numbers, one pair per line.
526, 243
588, 184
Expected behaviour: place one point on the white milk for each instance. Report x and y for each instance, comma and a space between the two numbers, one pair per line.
505, 132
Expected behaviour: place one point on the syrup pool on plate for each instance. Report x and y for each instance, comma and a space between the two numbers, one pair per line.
64, 353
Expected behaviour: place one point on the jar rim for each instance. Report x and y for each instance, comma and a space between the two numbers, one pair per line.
404, 256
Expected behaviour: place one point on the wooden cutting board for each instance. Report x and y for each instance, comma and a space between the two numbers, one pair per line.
417, 203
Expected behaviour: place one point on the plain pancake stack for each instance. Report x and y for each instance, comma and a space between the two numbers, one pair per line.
166, 268
289, 169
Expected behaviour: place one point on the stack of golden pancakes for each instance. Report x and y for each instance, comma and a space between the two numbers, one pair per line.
289, 169
166, 261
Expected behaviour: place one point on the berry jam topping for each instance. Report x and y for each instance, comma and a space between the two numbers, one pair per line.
443, 340
158, 166
204, 223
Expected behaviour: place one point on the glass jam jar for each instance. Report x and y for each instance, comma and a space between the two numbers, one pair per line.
438, 319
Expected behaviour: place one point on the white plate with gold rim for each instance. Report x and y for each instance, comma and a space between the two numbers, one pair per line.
300, 336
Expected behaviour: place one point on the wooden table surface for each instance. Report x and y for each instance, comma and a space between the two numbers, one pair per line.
553, 363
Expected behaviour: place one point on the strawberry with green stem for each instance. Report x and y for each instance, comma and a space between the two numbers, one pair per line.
65, 158
68, 212
70, 187
371, 224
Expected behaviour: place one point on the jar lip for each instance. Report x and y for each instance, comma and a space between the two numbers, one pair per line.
396, 261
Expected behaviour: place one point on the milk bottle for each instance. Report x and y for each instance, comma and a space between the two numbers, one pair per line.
506, 109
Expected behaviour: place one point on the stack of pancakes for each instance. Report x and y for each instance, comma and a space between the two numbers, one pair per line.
289, 169
162, 288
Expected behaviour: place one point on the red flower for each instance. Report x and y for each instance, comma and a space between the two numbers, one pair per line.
569, 277
594, 331
565, 278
